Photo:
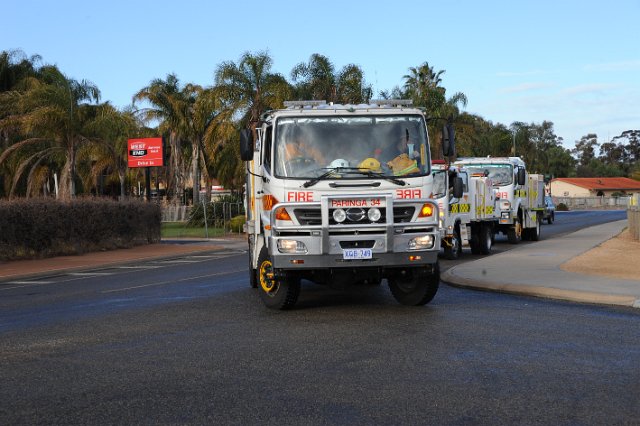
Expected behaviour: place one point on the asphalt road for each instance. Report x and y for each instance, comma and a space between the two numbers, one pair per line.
187, 341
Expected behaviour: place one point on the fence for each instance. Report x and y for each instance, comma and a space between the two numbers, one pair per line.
175, 213
218, 216
633, 216
223, 212
594, 203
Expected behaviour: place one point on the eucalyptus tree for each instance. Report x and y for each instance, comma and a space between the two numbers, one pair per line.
249, 88
542, 138
169, 107
52, 112
585, 149
561, 163
351, 86
624, 150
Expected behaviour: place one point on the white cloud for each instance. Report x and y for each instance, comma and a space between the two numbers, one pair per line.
588, 89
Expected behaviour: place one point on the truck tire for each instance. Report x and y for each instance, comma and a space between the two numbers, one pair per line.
514, 234
485, 239
416, 290
534, 233
276, 293
453, 250
474, 242
550, 218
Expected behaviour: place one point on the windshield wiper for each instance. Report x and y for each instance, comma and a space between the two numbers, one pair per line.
392, 179
353, 170
325, 175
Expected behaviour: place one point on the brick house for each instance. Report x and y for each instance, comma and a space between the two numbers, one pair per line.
593, 187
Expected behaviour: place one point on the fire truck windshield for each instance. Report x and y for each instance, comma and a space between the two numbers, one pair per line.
500, 174
387, 146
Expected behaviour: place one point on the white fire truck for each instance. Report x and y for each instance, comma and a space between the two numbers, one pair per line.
329, 201
466, 204
519, 195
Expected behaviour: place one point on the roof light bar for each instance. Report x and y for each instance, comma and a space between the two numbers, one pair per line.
302, 104
393, 102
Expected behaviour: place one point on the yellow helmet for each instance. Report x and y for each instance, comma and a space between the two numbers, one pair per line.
370, 164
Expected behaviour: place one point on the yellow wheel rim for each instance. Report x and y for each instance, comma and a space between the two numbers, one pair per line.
267, 282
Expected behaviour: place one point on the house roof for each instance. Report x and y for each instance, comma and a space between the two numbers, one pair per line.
603, 183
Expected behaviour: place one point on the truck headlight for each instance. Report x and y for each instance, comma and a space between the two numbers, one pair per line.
505, 205
424, 242
339, 215
291, 246
374, 214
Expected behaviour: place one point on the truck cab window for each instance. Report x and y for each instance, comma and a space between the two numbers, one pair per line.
266, 149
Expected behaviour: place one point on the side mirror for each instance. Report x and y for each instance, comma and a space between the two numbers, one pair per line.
448, 141
458, 187
522, 176
246, 145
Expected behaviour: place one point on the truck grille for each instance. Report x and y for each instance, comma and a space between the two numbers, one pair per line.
313, 217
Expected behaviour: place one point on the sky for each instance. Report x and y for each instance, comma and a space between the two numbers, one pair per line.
575, 63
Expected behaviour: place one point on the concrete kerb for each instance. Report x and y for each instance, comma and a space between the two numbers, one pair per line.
534, 270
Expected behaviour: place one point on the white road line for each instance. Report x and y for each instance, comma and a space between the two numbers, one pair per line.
139, 267
23, 284
88, 274
173, 281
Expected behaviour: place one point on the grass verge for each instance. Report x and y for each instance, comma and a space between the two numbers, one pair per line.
181, 230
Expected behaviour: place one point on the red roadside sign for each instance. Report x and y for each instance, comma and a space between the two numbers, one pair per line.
145, 152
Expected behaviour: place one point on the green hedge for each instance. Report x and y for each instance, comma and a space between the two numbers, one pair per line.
42, 227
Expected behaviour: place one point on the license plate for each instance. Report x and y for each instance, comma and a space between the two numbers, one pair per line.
352, 254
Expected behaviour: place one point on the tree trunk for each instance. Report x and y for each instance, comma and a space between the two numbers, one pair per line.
121, 176
195, 172
71, 164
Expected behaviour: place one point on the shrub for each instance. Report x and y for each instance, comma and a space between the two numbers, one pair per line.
43, 227
562, 207
236, 223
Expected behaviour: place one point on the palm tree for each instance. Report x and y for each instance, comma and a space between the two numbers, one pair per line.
113, 128
422, 85
170, 108
203, 115
318, 80
315, 79
15, 67
248, 88
52, 113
